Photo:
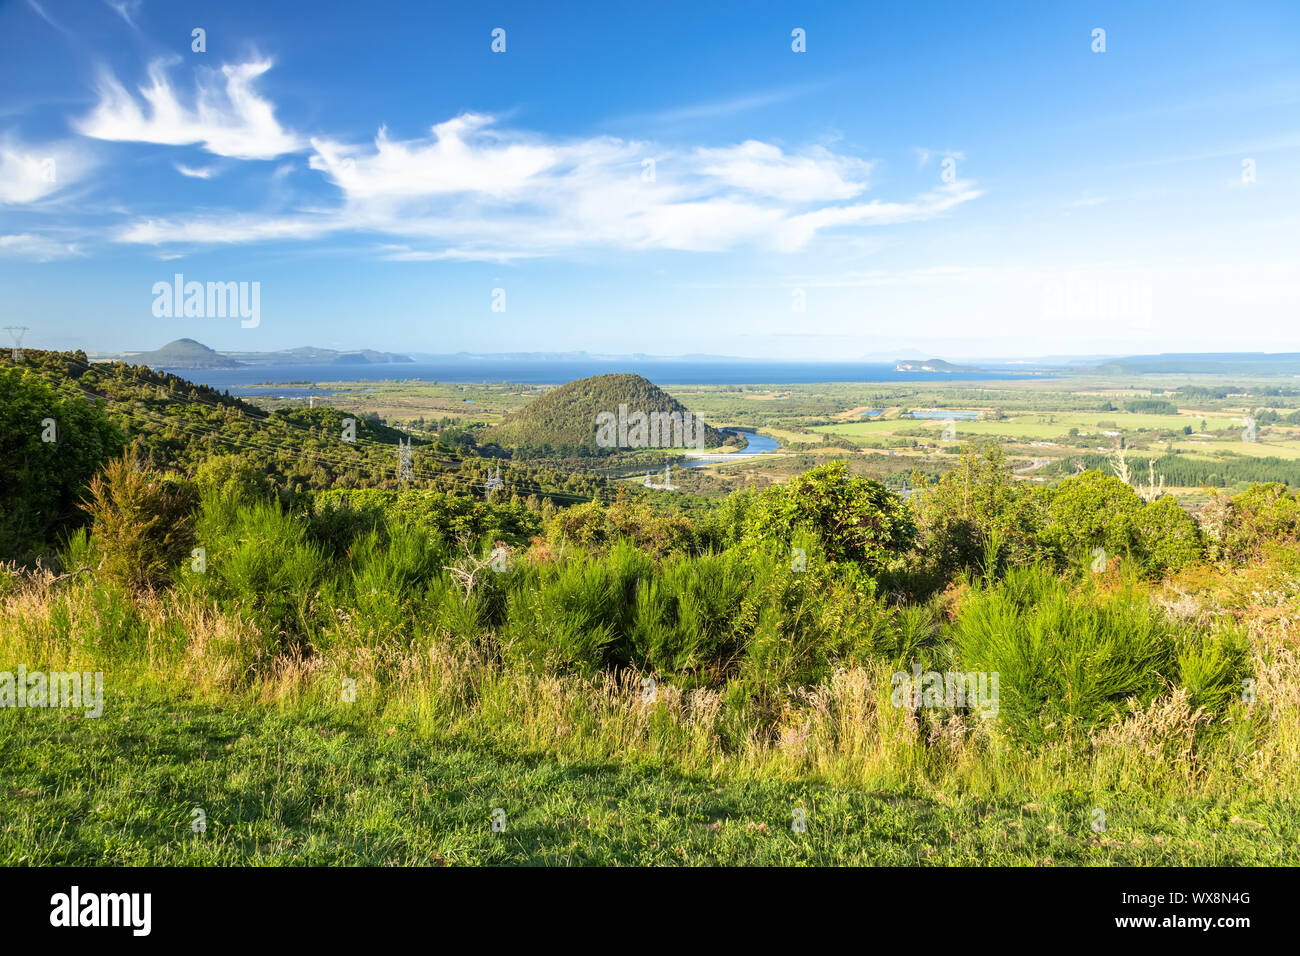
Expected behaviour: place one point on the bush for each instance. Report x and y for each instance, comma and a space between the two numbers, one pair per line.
382, 595
978, 516
263, 562
1069, 661
235, 478
685, 619
41, 482
596, 528
143, 523
797, 627
449, 517
856, 519
576, 615
1169, 537
1237, 529
1093, 510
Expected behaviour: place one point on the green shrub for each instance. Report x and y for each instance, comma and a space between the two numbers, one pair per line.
336, 523
1239, 528
856, 519
1068, 660
390, 568
596, 528
1093, 510
143, 522
568, 622
449, 517
234, 477
798, 627
684, 620
1212, 668
978, 516
1168, 536
261, 560
41, 481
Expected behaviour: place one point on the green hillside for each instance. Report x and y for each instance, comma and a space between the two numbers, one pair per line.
190, 430
567, 416
182, 424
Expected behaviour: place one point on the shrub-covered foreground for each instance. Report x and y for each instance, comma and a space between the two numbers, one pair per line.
366, 678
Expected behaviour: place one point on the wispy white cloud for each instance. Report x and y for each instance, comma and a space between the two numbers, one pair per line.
196, 172
764, 170
41, 12
475, 190
716, 109
30, 172
213, 230
457, 159
801, 229
401, 253
227, 117
25, 245
127, 10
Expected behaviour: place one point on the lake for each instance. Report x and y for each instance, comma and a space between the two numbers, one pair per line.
559, 371
933, 413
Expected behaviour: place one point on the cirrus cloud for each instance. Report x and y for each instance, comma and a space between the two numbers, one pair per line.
25, 245
227, 117
472, 189
30, 173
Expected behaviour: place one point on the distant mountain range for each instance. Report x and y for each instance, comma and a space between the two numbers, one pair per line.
1205, 363
187, 353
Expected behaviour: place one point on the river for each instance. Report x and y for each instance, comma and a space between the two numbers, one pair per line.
759, 445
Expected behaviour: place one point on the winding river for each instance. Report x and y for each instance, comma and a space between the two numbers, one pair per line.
759, 445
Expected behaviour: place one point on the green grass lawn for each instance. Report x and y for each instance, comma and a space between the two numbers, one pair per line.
299, 786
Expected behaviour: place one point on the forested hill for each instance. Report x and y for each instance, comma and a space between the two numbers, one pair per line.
185, 427
566, 416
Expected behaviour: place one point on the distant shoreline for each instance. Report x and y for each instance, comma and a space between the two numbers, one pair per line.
558, 373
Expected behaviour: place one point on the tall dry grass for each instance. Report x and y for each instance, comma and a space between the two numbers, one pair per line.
842, 730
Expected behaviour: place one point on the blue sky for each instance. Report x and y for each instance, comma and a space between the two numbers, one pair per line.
957, 179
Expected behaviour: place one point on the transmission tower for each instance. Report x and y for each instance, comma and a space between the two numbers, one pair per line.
405, 468
16, 332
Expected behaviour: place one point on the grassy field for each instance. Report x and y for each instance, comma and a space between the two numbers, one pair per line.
1036, 426
320, 786
1264, 448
